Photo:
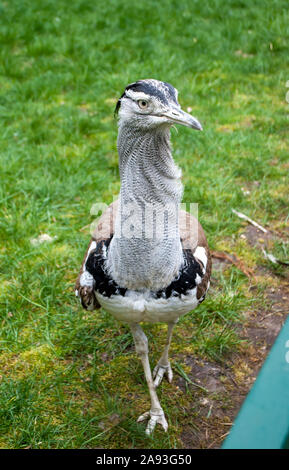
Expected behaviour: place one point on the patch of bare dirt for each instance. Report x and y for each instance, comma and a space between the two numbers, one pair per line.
256, 237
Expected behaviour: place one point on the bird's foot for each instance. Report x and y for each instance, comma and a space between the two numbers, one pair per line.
161, 370
154, 417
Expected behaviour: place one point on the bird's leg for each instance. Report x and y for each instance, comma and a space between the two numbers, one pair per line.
163, 367
156, 414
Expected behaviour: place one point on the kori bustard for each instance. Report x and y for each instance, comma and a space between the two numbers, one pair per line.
147, 261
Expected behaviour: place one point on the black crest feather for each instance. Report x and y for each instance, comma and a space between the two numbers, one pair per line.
150, 88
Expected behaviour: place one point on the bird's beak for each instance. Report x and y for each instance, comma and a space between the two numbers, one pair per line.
178, 116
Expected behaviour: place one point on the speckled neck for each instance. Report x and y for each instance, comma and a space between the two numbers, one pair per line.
145, 252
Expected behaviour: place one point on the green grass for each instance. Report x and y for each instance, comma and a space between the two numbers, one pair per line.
69, 378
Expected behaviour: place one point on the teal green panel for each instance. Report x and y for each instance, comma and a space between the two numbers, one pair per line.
263, 421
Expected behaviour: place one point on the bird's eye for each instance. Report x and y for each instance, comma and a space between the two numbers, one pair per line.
142, 104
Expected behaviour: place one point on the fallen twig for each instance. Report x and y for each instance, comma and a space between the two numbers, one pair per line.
238, 263
218, 439
245, 217
273, 259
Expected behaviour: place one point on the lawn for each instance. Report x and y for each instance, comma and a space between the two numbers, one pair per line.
70, 378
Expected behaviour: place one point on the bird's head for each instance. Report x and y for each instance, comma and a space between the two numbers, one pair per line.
151, 103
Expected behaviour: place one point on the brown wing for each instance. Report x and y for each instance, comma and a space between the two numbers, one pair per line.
103, 231
193, 237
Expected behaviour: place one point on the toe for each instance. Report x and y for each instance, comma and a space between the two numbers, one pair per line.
160, 371
170, 374
143, 417
158, 376
151, 426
